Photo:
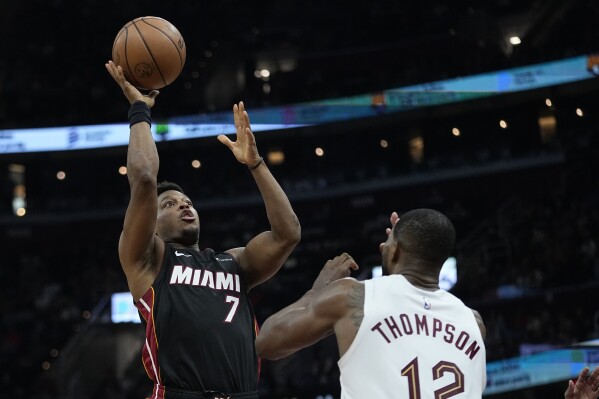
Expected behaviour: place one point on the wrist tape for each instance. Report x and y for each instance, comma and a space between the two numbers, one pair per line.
139, 112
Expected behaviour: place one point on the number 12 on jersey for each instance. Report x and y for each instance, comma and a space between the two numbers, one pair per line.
412, 373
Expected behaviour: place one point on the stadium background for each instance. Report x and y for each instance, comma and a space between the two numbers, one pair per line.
524, 201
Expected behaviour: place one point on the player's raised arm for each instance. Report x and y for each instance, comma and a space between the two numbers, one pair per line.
333, 304
137, 245
264, 255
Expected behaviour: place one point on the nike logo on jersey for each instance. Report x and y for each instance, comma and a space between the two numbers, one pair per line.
224, 259
177, 253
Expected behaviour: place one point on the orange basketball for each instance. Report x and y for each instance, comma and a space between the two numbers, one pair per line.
151, 52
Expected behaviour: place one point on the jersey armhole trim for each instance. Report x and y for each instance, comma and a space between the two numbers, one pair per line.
368, 286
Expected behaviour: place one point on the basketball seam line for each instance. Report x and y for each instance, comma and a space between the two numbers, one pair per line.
151, 55
171, 40
127, 59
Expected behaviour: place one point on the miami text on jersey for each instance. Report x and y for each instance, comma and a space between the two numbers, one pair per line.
205, 278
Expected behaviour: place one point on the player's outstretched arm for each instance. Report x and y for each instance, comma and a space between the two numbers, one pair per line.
137, 244
314, 316
263, 255
586, 387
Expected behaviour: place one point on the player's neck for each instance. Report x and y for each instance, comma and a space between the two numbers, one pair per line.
177, 245
421, 280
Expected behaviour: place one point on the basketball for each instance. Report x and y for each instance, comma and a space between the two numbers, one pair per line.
151, 52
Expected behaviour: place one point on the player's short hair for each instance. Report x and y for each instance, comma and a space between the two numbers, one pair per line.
167, 186
426, 234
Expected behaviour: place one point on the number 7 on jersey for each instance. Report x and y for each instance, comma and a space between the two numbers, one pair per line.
235, 301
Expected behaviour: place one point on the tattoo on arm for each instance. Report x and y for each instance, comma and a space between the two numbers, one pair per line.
356, 304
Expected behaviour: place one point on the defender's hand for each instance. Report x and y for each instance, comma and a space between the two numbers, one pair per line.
393, 219
335, 269
130, 91
244, 148
586, 387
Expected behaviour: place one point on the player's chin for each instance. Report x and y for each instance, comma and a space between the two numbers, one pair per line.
189, 235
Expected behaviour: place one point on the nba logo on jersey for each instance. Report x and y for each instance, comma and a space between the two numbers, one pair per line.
427, 304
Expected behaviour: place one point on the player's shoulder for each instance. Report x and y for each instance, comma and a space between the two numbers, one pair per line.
346, 284
337, 290
347, 291
339, 296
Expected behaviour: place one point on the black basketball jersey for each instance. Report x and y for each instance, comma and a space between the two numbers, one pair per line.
200, 326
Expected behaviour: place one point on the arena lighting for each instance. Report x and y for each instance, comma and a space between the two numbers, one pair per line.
579, 112
319, 151
547, 128
262, 73
503, 124
123, 170
16, 173
196, 164
515, 40
69, 138
456, 132
60, 175
548, 102
384, 143
275, 157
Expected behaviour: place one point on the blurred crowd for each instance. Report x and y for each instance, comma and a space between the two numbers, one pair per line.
526, 212
525, 203
311, 53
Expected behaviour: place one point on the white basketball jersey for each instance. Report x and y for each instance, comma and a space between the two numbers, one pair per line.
413, 344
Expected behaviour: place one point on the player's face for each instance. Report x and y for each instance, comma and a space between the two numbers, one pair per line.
177, 220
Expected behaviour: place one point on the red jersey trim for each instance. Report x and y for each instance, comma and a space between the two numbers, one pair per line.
149, 352
256, 331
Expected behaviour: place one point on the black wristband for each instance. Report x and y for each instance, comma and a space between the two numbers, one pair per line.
139, 112
257, 164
